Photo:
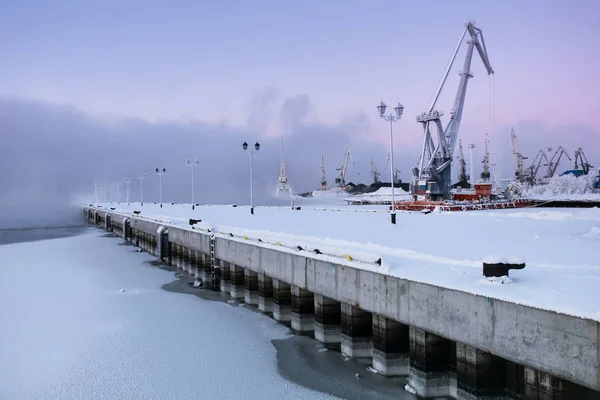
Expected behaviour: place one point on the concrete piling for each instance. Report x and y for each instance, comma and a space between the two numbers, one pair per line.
391, 346
225, 276
250, 287
265, 293
303, 310
356, 332
282, 301
479, 375
328, 319
431, 364
237, 281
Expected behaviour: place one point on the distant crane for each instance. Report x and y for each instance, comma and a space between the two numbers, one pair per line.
282, 185
396, 170
434, 171
519, 165
485, 173
462, 175
535, 165
582, 159
374, 172
341, 180
552, 164
471, 164
323, 180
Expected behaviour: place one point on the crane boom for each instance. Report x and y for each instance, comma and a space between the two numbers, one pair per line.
435, 161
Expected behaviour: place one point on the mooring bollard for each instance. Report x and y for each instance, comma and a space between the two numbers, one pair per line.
498, 269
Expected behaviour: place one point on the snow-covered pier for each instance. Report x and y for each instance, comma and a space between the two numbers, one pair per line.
426, 311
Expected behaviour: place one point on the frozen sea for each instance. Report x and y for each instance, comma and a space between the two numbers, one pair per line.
84, 318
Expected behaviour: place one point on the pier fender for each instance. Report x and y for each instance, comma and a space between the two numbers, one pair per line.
162, 238
126, 229
464, 208
96, 217
107, 222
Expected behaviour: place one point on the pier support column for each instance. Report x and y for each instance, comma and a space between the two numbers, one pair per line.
153, 245
215, 272
237, 281
328, 319
174, 255
431, 364
543, 386
391, 346
225, 281
303, 310
206, 273
479, 375
185, 259
265, 293
250, 287
357, 332
194, 262
282, 301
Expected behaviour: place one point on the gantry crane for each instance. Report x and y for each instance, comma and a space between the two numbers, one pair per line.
341, 180
323, 180
555, 160
580, 158
535, 165
434, 170
519, 165
374, 173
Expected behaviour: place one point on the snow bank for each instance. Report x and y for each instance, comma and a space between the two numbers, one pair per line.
565, 187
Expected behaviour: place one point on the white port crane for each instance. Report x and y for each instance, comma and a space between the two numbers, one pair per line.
396, 170
282, 182
519, 157
323, 180
434, 168
485, 173
374, 173
341, 180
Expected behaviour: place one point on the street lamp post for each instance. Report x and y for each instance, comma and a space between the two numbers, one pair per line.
256, 148
192, 164
160, 173
127, 182
141, 177
118, 184
391, 118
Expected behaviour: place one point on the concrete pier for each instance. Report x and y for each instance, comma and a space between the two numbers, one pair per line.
455, 338
356, 332
328, 319
250, 287
282, 301
303, 310
265, 293
225, 278
391, 346
238, 281
431, 364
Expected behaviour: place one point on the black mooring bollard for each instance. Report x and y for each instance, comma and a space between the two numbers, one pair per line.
500, 269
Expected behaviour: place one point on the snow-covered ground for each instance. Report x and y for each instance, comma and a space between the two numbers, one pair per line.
83, 318
560, 246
